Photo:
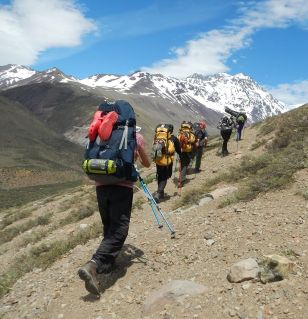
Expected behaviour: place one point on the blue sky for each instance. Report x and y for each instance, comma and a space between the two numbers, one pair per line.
265, 39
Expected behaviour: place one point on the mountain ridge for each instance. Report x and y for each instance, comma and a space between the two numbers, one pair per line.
214, 92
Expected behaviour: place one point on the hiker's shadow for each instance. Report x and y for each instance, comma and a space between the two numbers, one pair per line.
128, 256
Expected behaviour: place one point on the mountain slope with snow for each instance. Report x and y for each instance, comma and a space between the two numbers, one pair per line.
11, 74
17, 75
238, 92
195, 93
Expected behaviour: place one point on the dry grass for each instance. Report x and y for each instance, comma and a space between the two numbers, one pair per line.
45, 255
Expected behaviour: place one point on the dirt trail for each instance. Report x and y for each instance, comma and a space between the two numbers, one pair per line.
271, 224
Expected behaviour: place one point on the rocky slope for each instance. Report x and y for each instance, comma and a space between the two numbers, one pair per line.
208, 241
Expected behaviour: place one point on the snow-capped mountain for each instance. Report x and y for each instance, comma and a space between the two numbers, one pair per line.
239, 92
12, 75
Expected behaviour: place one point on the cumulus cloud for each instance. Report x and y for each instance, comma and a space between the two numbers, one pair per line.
291, 94
210, 51
29, 27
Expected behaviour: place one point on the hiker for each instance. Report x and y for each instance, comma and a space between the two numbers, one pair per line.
187, 139
201, 141
165, 144
225, 126
240, 119
240, 122
114, 197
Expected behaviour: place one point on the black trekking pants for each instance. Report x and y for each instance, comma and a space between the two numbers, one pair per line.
115, 205
199, 152
163, 173
184, 163
226, 134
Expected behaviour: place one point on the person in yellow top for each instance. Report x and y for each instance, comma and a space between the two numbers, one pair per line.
165, 145
187, 140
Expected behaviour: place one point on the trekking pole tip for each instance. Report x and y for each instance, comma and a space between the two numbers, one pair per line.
173, 235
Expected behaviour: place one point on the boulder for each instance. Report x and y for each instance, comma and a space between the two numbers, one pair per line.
244, 270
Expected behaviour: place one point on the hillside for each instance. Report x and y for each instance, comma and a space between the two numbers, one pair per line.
31, 154
44, 243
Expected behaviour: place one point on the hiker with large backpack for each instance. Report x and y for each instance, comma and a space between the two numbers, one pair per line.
201, 136
225, 125
187, 139
240, 122
111, 152
165, 144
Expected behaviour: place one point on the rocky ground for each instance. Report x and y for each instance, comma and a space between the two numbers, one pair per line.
208, 241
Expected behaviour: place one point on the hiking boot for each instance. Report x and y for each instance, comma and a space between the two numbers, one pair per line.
87, 273
158, 196
105, 268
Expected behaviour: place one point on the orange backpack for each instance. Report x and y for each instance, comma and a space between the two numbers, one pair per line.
186, 137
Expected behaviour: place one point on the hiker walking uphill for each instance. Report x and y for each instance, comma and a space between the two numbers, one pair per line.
113, 147
200, 144
165, 144
187, 141
240, 120
225, 126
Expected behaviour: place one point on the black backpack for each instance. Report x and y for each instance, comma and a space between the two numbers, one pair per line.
112, 161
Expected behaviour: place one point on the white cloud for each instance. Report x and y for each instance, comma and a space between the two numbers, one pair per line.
291, 94
29, 27
210, 52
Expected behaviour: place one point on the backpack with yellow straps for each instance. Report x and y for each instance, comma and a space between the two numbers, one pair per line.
186, 137
163, 146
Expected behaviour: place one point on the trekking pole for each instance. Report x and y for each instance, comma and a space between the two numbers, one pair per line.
154, 206
148, 196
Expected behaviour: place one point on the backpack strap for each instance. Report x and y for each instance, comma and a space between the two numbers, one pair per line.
124, 137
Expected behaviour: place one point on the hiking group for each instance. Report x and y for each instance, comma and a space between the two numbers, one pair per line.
112, 150
186, 146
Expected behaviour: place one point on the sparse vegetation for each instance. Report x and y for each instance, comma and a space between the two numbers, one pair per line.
285, 155
303, 193
45, 255
190, 197
11, 232
259, 143
21, 196
270, 171
289, 253
78, 214
10, 218
137, 204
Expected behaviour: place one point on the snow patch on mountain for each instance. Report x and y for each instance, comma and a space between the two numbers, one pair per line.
216, 92
12, 73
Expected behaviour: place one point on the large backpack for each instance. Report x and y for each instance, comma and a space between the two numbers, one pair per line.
186, 137
226, 124
163, 147
241, 119
110, 152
